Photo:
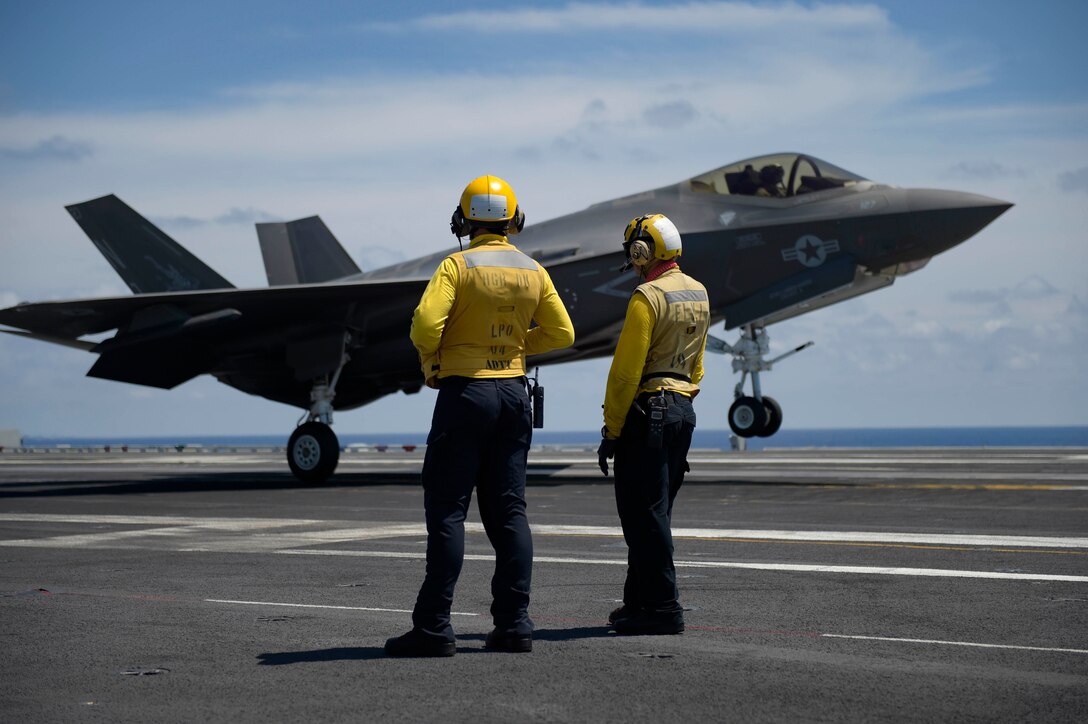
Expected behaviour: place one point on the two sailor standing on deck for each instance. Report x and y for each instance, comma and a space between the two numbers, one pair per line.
472, 329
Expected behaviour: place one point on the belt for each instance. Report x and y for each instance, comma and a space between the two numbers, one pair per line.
668, 375
671, 393
462, 380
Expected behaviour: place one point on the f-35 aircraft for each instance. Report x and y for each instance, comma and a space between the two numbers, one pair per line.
771, 238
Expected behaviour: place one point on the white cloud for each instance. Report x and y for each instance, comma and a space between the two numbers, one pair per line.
1075, 180
647, 20
1040, 119
986, 169
55, 148
670, 116
235, 216
1030, 327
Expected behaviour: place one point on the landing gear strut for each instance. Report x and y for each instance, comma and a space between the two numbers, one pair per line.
313, 450
756, 414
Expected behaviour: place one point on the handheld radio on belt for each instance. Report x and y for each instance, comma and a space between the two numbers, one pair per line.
536, 393
655, 418
655, 428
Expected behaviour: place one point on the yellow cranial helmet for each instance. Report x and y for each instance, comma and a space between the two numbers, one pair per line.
488, 202
651, 236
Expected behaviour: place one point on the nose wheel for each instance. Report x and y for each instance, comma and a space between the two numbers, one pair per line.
754, 415
749, 417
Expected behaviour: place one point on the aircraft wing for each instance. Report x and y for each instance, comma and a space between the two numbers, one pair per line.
275, 341
80, 317
167, 338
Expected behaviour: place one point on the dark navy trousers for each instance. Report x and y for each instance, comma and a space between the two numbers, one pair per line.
647, 481
480, 437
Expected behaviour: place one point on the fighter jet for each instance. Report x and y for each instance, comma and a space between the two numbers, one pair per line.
771, 238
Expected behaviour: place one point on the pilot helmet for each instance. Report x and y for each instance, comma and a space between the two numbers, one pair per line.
772, 173
652, 236
490, 203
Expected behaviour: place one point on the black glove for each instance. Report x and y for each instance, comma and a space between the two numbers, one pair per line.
605, 452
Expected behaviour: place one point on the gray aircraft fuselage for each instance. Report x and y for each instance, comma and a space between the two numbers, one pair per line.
810, 236
761, 259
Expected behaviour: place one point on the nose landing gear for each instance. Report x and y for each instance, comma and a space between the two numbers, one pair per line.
754, 415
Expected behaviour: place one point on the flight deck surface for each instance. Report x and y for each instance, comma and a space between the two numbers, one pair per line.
893, 584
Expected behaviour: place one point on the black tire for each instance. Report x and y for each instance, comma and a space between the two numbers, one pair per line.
774, 417
747, 416
313, 452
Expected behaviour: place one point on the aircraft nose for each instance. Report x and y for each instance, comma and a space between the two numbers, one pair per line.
946, 218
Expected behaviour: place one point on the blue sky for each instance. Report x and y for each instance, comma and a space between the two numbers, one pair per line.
59, 55
209, 116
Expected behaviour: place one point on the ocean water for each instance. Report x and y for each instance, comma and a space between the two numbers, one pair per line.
1069, 436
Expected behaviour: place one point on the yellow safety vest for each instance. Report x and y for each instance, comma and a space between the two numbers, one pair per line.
682, 316
475, 316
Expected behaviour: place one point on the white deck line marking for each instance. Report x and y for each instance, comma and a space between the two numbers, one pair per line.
315, 605
784, 567
833, 536
877, 462
367, 530
221, 523
956, 643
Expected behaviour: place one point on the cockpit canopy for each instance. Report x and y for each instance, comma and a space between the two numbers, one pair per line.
774, 177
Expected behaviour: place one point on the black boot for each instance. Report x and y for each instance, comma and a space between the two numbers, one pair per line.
514, 643
645, 623
623, 611
418, 644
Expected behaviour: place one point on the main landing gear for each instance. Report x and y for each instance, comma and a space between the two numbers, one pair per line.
754, 415
313, 449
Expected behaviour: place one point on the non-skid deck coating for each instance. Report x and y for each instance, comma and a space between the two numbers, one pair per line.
898, 584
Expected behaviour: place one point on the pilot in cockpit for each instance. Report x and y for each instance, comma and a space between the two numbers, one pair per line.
770, 182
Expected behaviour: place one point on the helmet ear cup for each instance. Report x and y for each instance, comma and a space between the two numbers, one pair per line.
458, 223
460, 226
640, 252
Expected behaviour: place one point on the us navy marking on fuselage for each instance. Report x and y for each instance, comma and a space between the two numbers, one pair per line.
811, 250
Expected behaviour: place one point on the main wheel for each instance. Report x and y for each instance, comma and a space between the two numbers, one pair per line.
774, 417
747, 416
313, 452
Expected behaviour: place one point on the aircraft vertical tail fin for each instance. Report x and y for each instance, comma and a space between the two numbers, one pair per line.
147, 259
303, 252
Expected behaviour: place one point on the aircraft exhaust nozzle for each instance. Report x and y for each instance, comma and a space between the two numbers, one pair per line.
943, 219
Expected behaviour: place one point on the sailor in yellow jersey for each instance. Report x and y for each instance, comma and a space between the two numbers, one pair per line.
472, 329
649, 419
